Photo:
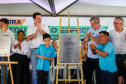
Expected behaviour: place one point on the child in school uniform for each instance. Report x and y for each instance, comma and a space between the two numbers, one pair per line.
46, 53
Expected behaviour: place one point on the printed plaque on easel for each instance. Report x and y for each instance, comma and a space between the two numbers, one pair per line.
4, 44
69, 52
69, 49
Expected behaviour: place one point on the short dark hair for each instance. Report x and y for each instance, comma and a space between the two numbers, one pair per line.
36, 13
105, 33
20, 31
95, 19
5, 20
46, 36
82, 39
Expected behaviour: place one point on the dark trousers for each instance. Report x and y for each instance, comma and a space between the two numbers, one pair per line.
121, 69
21, 72
108, 77
84, 69
42, 76
55, 63
91, 65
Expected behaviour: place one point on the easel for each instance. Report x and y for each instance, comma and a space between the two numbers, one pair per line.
69, 64
7, 63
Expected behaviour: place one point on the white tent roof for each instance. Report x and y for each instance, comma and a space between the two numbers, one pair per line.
61, 7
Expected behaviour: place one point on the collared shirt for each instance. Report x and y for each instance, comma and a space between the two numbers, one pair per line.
35, 42
24, 47
11, 34
96, 35
44, 64
119, 41
107, 63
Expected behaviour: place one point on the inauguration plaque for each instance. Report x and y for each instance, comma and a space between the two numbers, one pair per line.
5, 40
69, 49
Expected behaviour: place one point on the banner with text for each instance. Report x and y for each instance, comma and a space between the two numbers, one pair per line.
54, 30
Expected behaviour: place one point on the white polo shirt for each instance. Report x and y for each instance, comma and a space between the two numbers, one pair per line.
96, 35
119, 41
11, 34
35, 42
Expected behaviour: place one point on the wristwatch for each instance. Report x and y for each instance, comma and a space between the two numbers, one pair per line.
95, 48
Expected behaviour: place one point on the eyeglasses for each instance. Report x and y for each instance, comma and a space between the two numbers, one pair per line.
116, 23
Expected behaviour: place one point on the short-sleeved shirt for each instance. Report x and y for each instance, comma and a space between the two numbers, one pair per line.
44, 64
107, 63
11, 34
35, 42
96, 35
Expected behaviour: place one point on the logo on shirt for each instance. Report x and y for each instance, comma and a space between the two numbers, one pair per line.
49, 53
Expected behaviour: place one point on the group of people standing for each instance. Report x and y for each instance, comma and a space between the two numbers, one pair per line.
102, 51
41, 52
106, 53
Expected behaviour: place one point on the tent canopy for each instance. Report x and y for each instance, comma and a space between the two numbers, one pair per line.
61, 7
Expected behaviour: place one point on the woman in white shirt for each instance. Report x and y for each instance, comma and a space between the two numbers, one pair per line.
20, 45
20, 50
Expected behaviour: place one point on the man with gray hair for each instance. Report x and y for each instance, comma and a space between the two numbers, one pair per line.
118, 38
92, 62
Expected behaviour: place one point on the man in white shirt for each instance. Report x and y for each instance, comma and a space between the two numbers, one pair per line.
92, 62
35, 35
4, 24
118, 38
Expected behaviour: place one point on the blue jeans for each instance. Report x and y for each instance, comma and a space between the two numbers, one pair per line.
48, 81
6, 71
108, 77
34, 61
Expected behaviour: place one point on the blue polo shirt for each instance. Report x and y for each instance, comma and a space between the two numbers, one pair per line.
107, 63
44, 64
94, 33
